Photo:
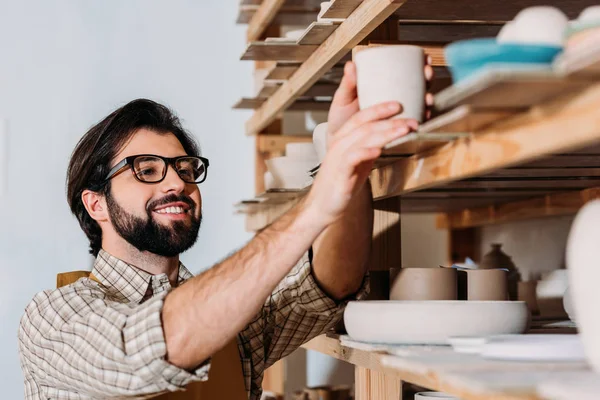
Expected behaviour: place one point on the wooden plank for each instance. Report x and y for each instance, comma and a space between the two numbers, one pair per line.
433, 50
282, 71
566, 161
317, 33
526, 183
299, 105
503, 88
321, 90
545, 173
386, 251
341, 8
363, 20
374, 385
547, 206
441, 193
517, 140
465, 119
262, 18
286, 16
485, 10
276, 143
433, 205
418, 142
444, 31
274, 51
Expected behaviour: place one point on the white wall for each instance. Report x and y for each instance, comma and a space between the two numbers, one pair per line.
64, 65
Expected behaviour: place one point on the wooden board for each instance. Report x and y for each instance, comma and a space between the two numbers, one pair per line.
282, 72
369, 15
526, 183
433, 50
465, 119
506, 89
300, 16
418, 142
548, 206
274, 51
317, 33
299, 105
341, 8
444, 32
262, 18
277, 143
483, 10
517, 140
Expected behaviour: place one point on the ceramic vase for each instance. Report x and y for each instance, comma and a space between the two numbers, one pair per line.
423, 284
497, 259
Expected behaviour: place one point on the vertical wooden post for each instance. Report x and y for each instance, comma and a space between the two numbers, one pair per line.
374, 385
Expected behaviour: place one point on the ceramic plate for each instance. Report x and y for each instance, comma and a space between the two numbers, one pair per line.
541, 347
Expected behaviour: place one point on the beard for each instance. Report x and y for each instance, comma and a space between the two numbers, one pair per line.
146, 234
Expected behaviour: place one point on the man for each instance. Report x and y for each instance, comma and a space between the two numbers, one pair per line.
133, 329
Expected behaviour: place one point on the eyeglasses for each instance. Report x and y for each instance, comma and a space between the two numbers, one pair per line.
149, 168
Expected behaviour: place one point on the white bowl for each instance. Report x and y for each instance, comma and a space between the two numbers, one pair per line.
290, 173
302, 151
432, 322
508, 33
553, 284
540, 25
434, 396
320, 140
590, 15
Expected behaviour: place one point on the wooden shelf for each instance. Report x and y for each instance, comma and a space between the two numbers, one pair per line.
466, 376
369, 15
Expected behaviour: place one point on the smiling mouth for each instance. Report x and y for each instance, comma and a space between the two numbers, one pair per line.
173, 210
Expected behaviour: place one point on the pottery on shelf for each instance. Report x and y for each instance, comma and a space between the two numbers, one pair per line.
583, 255
423, 284
290, 173
532, 347
392, 73
539, 25
483, 284
302, 151
568, 305
527, 293
550, 291
432, 322
320, 140
497, 259
434, 396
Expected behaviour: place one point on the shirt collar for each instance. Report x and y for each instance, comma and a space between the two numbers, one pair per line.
130, 283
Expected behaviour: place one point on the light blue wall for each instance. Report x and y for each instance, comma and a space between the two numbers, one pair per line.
64, 65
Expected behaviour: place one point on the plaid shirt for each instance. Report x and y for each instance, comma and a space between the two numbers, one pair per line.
105, 340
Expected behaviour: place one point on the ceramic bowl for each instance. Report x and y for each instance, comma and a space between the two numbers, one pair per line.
423, 284
588, 19
289, 173
432, 322
320, 140
467, 57
568, 305
434, 396
302, 151
540, 25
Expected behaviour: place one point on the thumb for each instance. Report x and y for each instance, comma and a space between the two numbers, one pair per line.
346, 92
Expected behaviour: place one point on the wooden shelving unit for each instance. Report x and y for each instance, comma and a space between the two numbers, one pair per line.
507, 148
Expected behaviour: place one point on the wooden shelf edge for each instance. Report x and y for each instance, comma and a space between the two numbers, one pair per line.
552, 205
539, 132
369, 15
262, 18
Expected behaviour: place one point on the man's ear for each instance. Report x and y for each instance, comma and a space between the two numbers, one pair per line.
95, 204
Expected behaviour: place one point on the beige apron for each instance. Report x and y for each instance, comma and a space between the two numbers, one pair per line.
226, 380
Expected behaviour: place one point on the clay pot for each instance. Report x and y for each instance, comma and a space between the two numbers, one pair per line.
482, 285
423, 284
497, 259
392, 73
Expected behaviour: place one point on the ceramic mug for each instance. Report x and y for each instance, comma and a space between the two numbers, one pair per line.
423, 284
483, 285
392, 73
434, 396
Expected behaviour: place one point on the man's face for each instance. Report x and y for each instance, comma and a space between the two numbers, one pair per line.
142, 213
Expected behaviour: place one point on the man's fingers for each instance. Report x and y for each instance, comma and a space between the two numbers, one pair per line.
346, 92
374, 113
429, 73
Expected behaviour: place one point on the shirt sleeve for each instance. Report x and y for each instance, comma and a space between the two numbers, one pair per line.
297, 311
69, 341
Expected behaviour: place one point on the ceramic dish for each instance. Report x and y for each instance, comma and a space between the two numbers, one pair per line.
467, 344
542, 347
466, 57
432, 322
289, 173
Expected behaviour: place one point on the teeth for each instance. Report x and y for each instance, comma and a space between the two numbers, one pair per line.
171, 210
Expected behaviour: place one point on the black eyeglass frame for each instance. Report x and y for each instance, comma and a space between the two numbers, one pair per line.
129, 161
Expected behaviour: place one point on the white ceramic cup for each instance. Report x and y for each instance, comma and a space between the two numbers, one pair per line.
434, 396
320, 140
392, 73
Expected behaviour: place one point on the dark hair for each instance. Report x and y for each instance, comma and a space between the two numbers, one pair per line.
90, 161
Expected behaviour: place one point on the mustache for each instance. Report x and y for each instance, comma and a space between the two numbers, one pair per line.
172, 198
